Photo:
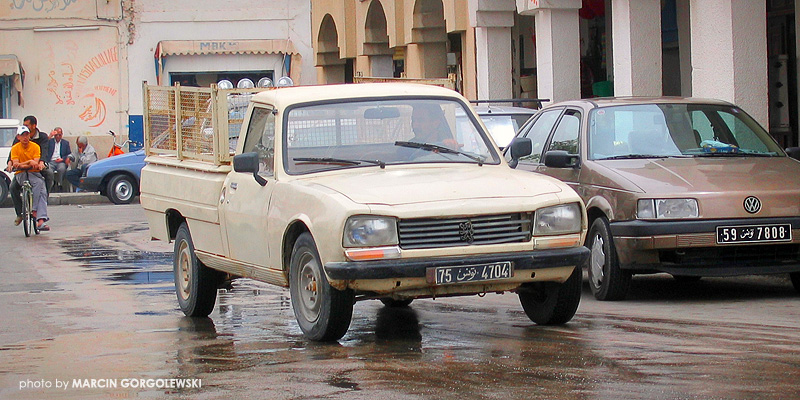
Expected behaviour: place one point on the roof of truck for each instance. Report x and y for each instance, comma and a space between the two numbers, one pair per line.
283, 97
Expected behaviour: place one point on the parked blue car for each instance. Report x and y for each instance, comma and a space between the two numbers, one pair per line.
115, 177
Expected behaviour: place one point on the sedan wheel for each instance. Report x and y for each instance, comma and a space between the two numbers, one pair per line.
606, 279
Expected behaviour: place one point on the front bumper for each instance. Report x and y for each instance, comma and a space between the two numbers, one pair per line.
90, 183
417, 268
691, 248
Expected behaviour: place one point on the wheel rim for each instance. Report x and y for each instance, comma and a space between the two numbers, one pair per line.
123, 190
308, 287
598, 260
184, 270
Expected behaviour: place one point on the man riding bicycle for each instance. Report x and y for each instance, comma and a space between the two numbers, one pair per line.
25, 156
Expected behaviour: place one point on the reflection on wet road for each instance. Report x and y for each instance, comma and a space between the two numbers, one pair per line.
657, 346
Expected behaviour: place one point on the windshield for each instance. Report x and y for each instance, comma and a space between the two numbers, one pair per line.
7, 135
675, 130
503, 128
380, 133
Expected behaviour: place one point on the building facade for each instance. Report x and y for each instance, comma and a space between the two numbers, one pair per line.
742, 51
80, 64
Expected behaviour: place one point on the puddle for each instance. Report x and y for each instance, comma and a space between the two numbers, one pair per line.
121, 266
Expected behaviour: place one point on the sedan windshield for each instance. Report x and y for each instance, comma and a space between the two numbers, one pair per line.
381, 133
676, 130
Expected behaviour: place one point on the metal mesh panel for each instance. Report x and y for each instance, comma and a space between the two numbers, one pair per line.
161, 120
197, 136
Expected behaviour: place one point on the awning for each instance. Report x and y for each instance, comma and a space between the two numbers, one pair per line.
246, 46
10, 66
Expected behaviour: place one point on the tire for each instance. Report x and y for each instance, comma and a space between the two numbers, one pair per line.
27, 215
3, 189
392, 303
121, 189
606, 279
686, 278
795, 277
195, 284
322, 312
550, 303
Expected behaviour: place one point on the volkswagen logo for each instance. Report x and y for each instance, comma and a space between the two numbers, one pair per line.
466, 231
752, 204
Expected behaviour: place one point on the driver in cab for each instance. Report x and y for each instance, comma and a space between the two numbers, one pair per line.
430, 126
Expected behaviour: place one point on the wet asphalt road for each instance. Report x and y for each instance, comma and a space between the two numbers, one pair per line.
96, 301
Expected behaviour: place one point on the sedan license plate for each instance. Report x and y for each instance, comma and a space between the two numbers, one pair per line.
471, 273
754, 233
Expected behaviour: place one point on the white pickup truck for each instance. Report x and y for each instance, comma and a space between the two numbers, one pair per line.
352, 192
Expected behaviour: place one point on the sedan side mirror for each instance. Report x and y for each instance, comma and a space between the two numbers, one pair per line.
520, 147
793, 152
561, 159
248, 162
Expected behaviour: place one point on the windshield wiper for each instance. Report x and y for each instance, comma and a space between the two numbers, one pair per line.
736, 154
342, 161
438, 149
632, 157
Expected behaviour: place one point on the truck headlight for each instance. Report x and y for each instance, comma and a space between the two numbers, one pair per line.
369, 231
557, 220
666, 208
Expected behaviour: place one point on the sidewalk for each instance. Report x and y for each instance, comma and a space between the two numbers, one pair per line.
56, 199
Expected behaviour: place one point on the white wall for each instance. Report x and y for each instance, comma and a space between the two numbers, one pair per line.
158, 20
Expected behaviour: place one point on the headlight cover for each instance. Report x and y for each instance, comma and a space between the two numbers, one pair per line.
667, 208
557, 220
369, 231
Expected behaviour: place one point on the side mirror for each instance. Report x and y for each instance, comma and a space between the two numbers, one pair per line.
520, 147
248, 162
793, 152
561, 159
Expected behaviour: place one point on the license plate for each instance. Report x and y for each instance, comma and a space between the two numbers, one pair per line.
754, 233
471, 273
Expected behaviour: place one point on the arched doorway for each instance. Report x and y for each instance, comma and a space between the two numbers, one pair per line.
376, 41
428, 40
328, 61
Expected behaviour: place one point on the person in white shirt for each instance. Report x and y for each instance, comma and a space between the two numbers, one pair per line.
58, 151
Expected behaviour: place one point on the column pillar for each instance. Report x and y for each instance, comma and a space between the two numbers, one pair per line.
493, 20
558, 53
685, 47
637, 47
729, 53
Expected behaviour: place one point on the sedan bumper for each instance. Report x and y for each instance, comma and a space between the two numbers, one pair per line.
418, 268
90, 183
691, 248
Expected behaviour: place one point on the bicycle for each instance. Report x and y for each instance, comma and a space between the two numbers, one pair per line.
28, 219
116, 149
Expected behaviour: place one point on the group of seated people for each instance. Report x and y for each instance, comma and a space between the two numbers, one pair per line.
46, 160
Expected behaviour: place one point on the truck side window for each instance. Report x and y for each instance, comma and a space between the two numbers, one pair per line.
261, 138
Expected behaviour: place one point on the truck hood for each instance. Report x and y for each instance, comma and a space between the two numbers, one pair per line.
399, 186
707, 174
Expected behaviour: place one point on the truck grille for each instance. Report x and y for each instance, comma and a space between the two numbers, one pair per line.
427, 233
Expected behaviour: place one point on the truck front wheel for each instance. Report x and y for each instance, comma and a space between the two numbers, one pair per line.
322, 312
551, 303
195, 284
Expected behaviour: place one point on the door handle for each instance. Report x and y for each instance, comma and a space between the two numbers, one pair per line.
234, 185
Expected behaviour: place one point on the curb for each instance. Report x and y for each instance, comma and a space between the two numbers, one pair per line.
60, 199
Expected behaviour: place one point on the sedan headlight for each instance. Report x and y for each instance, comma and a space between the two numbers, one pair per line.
666, 208
369, 231
557, 220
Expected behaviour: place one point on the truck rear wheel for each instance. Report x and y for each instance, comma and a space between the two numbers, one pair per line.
195, 284
322, 312
550, 303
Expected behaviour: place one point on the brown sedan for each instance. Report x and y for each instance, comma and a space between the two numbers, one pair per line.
690, 187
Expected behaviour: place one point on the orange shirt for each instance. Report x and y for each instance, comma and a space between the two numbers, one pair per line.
22, 154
